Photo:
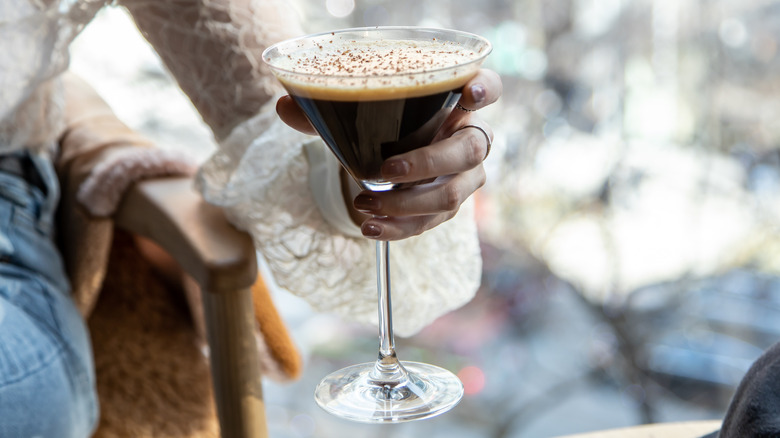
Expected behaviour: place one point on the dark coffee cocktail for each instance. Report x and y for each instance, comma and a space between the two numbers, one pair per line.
361, 148
370, 100
372, 93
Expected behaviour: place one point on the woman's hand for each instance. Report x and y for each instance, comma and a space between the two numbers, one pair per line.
452, 164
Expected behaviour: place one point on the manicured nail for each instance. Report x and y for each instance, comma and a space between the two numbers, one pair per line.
395, 168
366, 203
478, 92
371, 230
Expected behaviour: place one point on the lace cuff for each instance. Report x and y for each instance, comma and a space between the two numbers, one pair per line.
261, 177
325, 186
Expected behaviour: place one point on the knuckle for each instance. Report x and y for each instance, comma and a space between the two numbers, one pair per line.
428, 160
451, 198
426, 224
475, 148
421, 228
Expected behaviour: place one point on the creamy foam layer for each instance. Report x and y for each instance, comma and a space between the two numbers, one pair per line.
334, 69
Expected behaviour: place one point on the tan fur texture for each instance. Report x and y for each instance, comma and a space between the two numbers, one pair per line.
153, 380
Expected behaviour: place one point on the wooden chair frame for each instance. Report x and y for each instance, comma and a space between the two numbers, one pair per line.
222, 260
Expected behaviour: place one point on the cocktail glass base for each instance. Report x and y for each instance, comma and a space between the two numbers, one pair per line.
423, 391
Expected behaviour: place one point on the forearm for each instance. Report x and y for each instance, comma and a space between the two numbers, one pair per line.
213, 49
90, 125
100, 156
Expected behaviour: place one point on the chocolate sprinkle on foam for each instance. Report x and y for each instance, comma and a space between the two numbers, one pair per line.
348, 69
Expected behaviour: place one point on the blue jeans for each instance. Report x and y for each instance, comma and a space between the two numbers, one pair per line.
47, 378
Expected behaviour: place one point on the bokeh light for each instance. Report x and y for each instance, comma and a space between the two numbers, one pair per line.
340, 8
732, 32
473, 379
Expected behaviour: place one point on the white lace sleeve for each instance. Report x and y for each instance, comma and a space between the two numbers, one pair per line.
261, 176
35, 36
325, 185
213, 48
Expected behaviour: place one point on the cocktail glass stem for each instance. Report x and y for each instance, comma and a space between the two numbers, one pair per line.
386, 339
388, 371
388, 390
365, 118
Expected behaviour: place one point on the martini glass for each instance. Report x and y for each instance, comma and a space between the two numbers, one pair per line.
372, 93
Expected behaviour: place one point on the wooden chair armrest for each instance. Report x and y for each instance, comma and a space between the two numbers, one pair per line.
169, 211
222, 260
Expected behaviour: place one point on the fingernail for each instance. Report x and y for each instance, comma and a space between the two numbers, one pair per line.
478, 92
366, 203
395, 168
371, 230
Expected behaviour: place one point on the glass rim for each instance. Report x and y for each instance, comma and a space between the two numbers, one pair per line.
488, 48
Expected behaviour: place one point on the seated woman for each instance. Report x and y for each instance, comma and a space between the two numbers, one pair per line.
212, 48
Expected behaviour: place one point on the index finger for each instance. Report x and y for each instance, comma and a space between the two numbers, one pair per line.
482, 90
293, 115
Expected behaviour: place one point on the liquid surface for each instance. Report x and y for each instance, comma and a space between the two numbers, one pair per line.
349, 70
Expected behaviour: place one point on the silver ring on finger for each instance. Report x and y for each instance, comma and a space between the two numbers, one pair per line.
487, 137
462, 108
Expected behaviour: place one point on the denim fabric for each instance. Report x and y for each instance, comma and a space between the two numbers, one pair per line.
47, 379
